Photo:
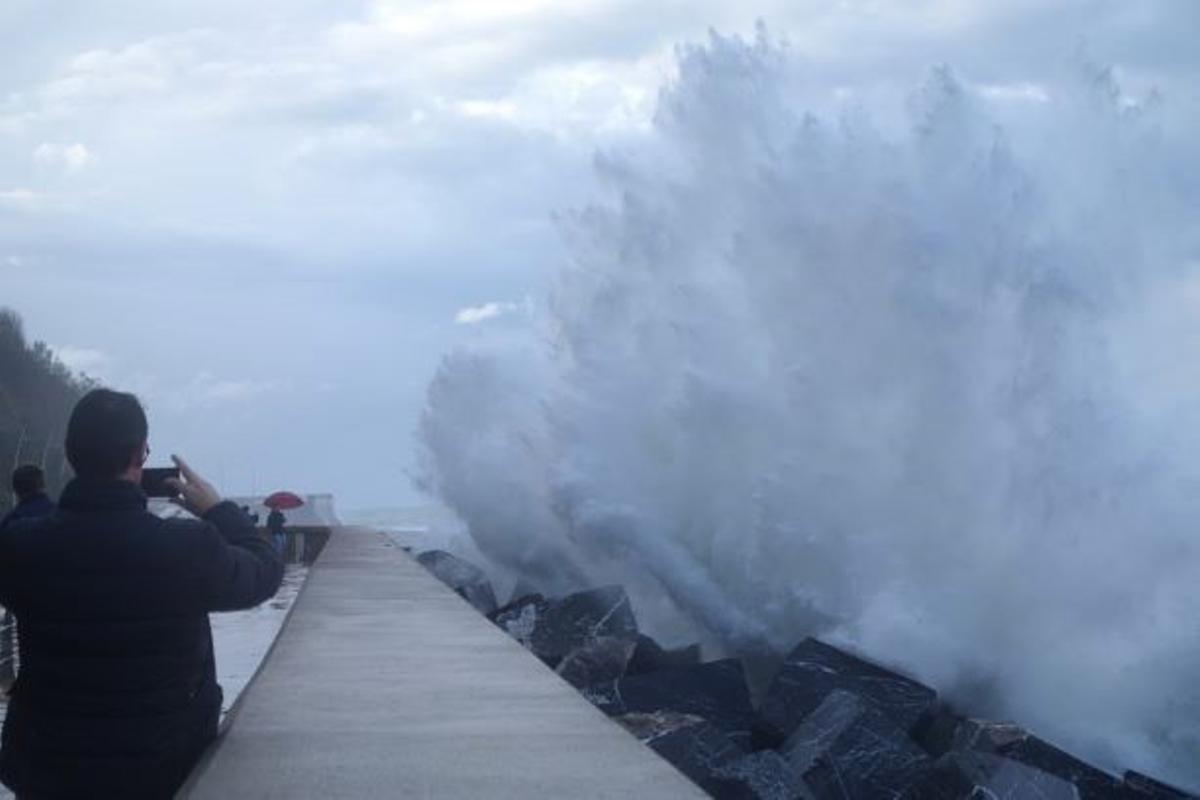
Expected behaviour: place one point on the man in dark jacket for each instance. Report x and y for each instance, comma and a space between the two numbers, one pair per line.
117, 693
29, 487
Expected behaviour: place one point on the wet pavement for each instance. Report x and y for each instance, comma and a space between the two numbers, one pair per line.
385, 683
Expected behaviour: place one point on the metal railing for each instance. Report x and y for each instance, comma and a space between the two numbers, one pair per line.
10, 657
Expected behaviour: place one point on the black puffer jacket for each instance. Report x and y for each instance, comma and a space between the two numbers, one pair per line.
117, 693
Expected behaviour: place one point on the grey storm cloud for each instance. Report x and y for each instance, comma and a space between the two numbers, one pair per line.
283, 207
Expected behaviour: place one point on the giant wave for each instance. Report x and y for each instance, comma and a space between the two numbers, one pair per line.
926, 387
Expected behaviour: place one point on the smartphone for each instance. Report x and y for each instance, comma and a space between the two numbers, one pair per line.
154, 481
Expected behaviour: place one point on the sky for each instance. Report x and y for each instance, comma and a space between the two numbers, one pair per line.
272, 219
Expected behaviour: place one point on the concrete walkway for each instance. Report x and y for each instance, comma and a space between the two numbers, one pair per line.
384, 683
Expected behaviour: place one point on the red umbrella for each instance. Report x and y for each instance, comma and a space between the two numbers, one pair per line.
284, 501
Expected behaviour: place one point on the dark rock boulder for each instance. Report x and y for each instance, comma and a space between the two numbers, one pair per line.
947, 733
1002, 778
718, 766
764, 775
1092, 783
814, 669
963, 776
601, 659
521, 590
463, 577
647, 726
698, 751
712, 760
847, 748
1136, 786
520, 618
938, 730
715, 691
944, 731
942, 781
569, 623
987, 736
584, 627
650, 656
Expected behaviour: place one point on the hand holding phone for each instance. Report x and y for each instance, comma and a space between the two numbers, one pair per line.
155, 481
192, 491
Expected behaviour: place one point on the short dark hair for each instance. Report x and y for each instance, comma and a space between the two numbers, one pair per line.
28, 480
106, 428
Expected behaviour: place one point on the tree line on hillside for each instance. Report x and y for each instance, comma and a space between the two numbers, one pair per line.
37, 393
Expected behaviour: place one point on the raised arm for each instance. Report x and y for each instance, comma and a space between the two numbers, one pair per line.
242, 568
238, 568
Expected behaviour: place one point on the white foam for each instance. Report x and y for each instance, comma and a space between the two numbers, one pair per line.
929, 389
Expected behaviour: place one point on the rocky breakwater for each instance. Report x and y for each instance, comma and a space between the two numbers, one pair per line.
831, 725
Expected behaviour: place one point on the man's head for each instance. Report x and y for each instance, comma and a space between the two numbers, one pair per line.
106, 437
28, 481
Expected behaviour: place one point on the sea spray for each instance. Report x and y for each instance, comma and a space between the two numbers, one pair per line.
928, 389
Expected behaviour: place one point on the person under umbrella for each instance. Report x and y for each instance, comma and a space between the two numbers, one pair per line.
275, 520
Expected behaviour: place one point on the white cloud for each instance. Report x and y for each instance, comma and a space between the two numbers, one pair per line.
139, 70
353, 141
205, 392
85, 360
20, 199
406, 152
69, 157
207, 389
492, 109
415, 21
408, 17
473, 315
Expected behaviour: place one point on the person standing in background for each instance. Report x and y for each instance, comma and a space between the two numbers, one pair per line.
29, 490
275, 522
